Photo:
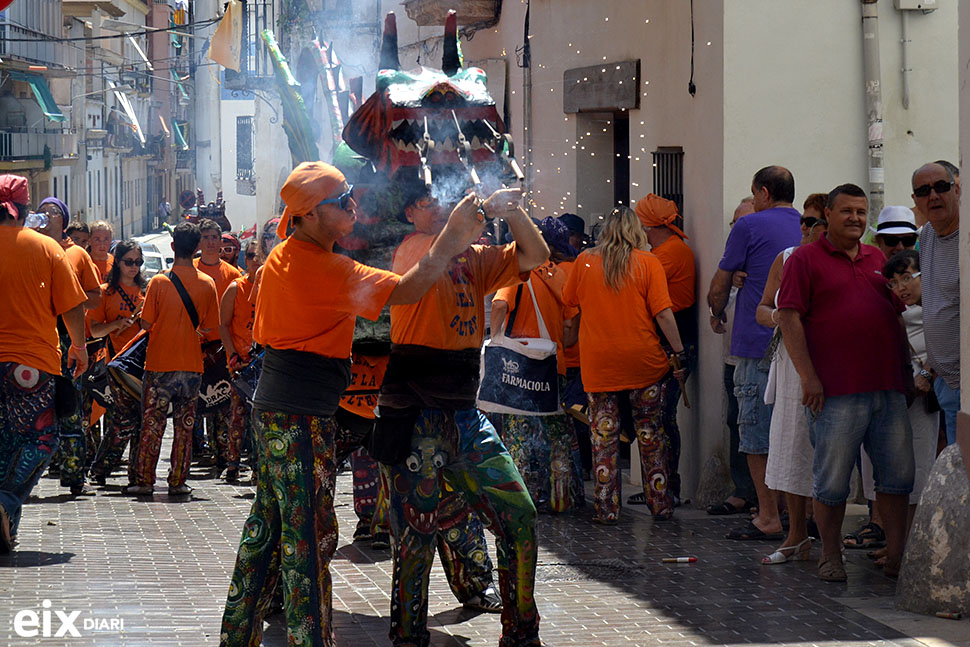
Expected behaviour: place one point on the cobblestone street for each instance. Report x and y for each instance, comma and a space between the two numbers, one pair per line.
162, 567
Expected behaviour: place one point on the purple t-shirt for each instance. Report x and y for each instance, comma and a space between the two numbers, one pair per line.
752, 246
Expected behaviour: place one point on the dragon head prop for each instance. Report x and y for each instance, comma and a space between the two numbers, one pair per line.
419, 123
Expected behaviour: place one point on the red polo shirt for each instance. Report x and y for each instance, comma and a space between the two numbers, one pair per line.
850, 317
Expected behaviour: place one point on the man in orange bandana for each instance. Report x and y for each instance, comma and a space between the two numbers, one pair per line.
308, 301
658, 216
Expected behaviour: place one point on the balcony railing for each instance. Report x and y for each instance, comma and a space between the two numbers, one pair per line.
256, 67
37, 143
36, 52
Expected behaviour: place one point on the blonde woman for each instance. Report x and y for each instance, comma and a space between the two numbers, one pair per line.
621, 291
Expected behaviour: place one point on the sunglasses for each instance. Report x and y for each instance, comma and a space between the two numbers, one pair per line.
342, 200
902, 281
250, 255
809, 221
227, 249
940, 186
133, 263
908, 240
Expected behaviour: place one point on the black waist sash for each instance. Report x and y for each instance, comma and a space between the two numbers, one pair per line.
299, 382
419, 376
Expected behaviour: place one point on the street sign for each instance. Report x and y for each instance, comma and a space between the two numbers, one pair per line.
187, 199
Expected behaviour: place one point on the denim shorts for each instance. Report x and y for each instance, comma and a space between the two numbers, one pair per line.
754, 416
876, 420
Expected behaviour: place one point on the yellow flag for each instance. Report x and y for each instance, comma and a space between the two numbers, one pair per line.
225, 48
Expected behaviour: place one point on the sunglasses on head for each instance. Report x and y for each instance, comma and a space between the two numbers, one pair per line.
908, 240
342, 200
133, 262
940, 186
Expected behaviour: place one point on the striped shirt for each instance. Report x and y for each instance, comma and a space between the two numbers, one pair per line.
939, 260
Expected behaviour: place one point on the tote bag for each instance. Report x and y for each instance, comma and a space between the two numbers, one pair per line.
520, 375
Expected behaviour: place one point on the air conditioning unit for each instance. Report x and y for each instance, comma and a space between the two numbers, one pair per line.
917, 5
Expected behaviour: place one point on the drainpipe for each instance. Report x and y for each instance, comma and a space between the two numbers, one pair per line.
870, 56
527, 110
904, 40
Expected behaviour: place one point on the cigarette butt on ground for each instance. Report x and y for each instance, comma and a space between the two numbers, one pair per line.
681, 560
949, 615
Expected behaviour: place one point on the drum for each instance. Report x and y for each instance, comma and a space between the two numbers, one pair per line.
246, 378
127, 368
215, 389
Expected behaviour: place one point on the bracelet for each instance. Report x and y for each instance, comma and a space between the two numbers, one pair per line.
773, 319
482, 216
714, 316
75, 347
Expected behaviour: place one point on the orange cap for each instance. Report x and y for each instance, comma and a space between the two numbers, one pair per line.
655, 211
308, 185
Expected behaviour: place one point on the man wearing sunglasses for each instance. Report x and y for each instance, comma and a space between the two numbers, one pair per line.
306, 309
895, 230
937, 195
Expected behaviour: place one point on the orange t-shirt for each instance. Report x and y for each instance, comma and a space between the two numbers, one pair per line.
223, 274
104, 266
84, 267
173, 344
678, 263
366, 377
571, 353
451, 316
620, 347
37, 283
548, 282
309, 299
113, 307
243, 314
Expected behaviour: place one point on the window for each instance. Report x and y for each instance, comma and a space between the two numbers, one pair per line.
668, 175
90, 193
244, 148
99, 187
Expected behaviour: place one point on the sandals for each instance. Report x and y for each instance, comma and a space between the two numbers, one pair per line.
725, 508
794, 553
488, 601
870, 535
831, 569
751, 532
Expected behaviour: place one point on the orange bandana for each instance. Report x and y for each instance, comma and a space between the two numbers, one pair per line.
655, 211
308, 185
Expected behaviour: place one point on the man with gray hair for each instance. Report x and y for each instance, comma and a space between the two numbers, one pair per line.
936, 193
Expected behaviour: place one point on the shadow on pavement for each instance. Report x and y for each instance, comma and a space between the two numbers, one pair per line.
31, 558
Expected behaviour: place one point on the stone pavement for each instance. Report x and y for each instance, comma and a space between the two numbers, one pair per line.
162, 567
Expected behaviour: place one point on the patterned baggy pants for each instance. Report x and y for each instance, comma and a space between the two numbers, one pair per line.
546, 453
122, 423
72, 449
460, 448
291, 532
28, 433
604, 416
181, 390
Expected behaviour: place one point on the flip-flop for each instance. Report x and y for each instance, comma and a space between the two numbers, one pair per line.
750, 532
725, 508
870, 535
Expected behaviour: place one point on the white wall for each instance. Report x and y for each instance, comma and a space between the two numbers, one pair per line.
240, 209
794, 93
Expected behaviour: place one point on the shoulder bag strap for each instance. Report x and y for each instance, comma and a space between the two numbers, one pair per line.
543, 331
515, 309
186, 299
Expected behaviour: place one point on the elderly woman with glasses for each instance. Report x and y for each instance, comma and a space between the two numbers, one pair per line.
790, 453
117, 320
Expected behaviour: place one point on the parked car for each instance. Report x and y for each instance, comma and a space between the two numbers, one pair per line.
157, 251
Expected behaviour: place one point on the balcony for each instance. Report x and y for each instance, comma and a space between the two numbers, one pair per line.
56, 56
256, 66
37, 145
432, 13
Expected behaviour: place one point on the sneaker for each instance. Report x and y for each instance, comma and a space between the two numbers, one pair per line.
179, 489
488, 601
6, 540
99, 479
362, 532
139, 490
232, 475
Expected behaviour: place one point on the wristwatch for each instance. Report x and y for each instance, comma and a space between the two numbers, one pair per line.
923, 373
